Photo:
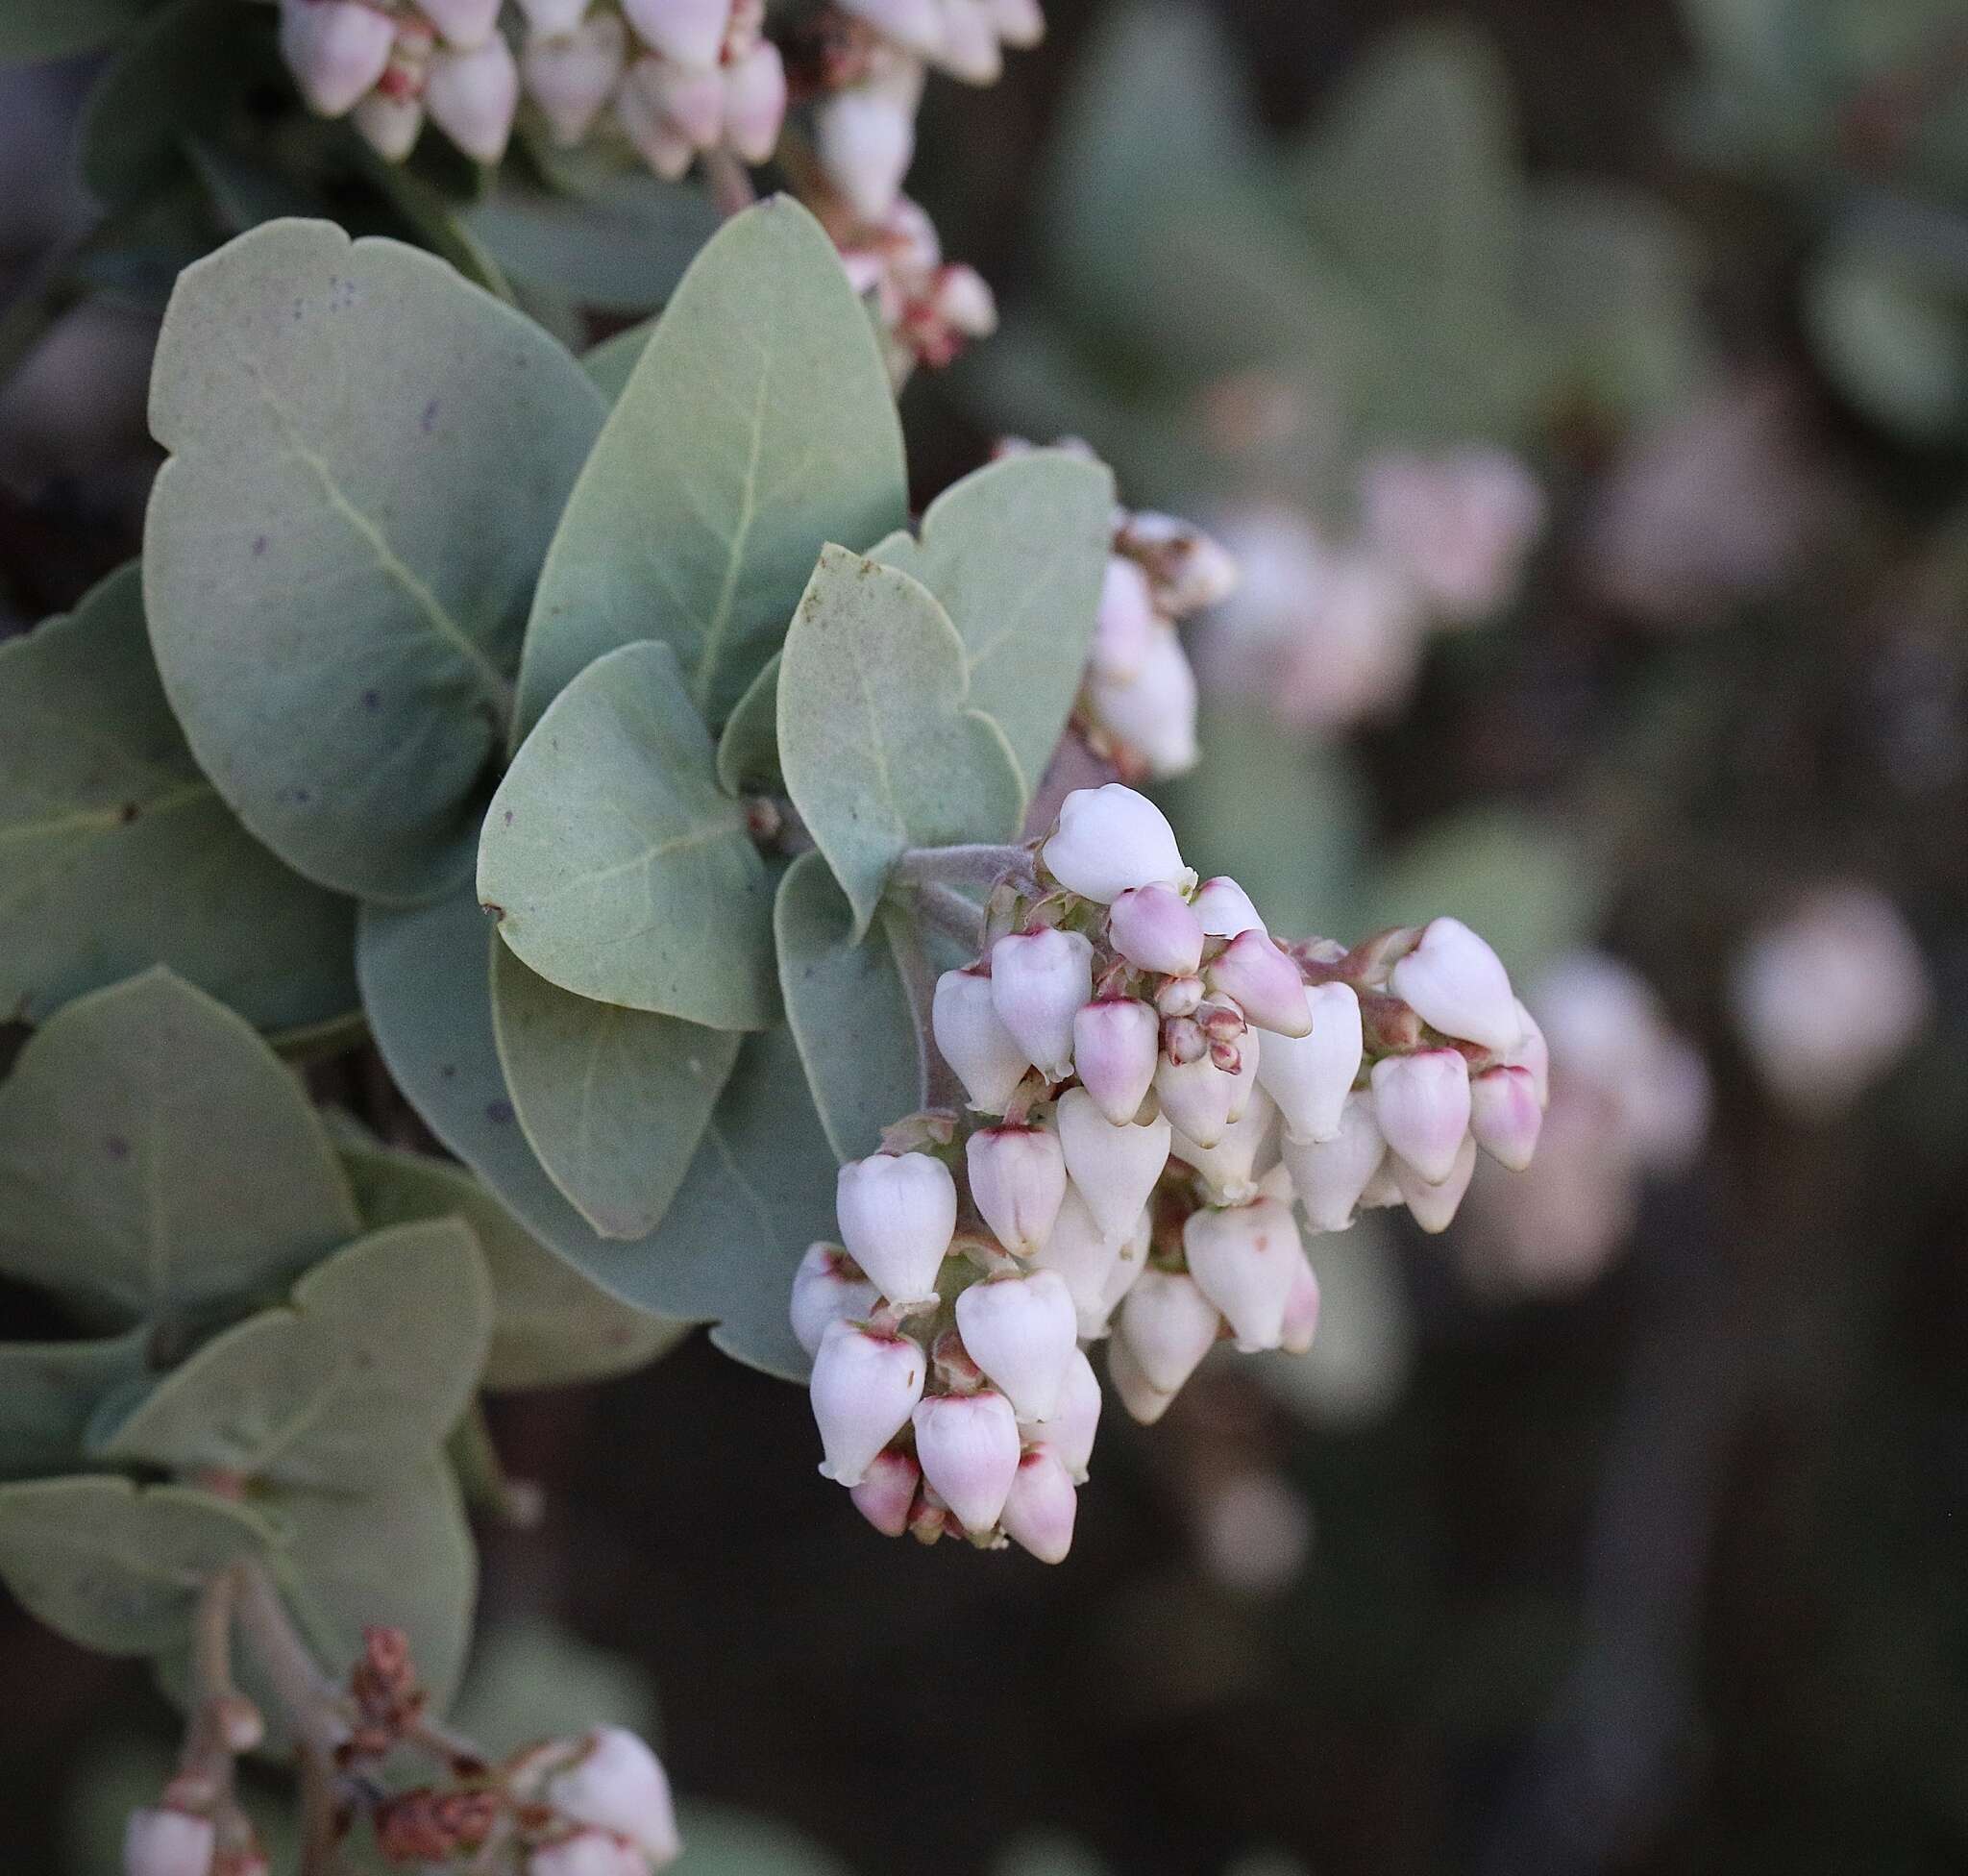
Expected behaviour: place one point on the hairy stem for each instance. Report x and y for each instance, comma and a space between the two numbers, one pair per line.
979, 864
945, 909
940, 1086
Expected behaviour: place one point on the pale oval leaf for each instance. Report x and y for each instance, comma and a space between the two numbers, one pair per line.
49, 1391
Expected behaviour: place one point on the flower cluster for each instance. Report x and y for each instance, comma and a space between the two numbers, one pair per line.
1330, 632
926, 308
1152, 1082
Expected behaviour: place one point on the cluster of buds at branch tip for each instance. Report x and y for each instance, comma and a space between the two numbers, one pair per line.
926, 308
1154, 1085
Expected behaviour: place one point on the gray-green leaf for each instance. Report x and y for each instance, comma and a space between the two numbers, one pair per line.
756, 424
368, 457
117, 1566
48, 1392
748, 749
117, 853
613, 1100
156, 1156
880, 746
551, 1326
368, 1368
616, 866
1017, 552
848, 1009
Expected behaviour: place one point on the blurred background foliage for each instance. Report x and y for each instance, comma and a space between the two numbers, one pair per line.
1647, 1560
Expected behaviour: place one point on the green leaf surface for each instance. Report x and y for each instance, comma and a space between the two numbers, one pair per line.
616, 866
1017, 552
614, 1101
610, 362
156, 1157
551, 1326
117, 853
757, 423
368, 1368
880, 746
117, 1566
50, 1390
848, 1009
748, 749
368, 457
759, 1189
34, 30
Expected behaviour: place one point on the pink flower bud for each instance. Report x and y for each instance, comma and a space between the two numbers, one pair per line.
1329, 1176
336, 50
887, 1492
1018, 1179
756, 102
465, 23
1070, 1432
898, 1213
1534, 1054
1309, 1076
968, 49
1180, 997
472, 96
1190, 569
1422, 1104
689, 32
1125, 622
865, 137
1110, 839
1039, 981
1230, 1168
1225, 909
1144, 1402
1241, 1076
389, 126
588, 1853
1154, 929
1301, 1310
1264, 983
1017, 23
1083, 1255
658, 141
1113, 1168
1039, 1508
550, 18
864, 1387
1150, 716
1183, 1040
1504, 1115
159, 1841
1130, 1260
1022, 1331
1434, 1203
1115, 1045
619, 1785
916, 24
690, 99
1169, 1326
828, 1287
1195, 1095
964, 301
968, 1445
572, 75
1245, 1259
982, 1052
1456, 985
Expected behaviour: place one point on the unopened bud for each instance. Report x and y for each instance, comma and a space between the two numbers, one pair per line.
573, 74
464, 23
159, 1841
1019, 22
1111, 839
1022, 1331
1534, 1054
1039, 1507
1264, 983
967, 1446
1434, 1203
689, 32
1309, 1076
1154, 929
1245, 1259
1180, 997
588, 1853
975, 1042
828, 1287
1190, 571
1115, 1043
389, 125
968, 49
1225, 908
665, 147
1018, 1179
898, 1213
756, 102
619, 1785
1301, 1310
865, 137
1504, 1115
1195, 1095
1151, 716
1330, 1176
1069, 1433
963, 302
887, 1492
1113, 1168
336, 50
865, 1386
1229, 1169
472, 96
1422, 1104
1125, 622
1039, 982
554, 17
1083, 1254
1168, 1326
1458, 985
1183, 1041
1243, 1077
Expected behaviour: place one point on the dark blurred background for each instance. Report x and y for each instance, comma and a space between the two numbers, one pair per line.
1659, 1568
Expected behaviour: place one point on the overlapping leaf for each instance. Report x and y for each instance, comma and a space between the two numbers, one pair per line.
49, 1391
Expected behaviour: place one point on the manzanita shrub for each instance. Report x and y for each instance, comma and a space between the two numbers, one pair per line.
740, 878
